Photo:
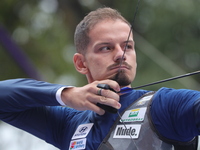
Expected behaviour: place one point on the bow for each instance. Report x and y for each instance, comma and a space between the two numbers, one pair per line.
129, 34
156, 82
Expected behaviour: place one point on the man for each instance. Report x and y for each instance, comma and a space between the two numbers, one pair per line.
160, 120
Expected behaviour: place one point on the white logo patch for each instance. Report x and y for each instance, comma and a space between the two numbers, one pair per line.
78, 144
144, 100
134, 115
128, 132
82, 131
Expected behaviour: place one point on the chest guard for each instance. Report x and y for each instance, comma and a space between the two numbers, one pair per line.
133, 131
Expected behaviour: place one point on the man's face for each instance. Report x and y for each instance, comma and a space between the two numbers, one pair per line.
104, 53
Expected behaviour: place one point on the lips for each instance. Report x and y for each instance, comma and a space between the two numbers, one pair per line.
121, 67
118, 66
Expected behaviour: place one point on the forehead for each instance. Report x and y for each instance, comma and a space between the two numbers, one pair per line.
109, 30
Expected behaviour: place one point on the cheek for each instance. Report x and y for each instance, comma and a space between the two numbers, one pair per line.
97, 62
132, 58
94, 65
98, 69
135, 60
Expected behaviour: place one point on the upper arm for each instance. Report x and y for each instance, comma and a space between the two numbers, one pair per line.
173, 113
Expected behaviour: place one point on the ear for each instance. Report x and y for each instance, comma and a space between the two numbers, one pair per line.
79, 63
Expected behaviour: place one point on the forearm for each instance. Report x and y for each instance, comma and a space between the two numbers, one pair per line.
21, 94
24, 104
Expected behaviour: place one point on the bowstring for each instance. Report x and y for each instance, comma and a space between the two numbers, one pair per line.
129, 34
122, 58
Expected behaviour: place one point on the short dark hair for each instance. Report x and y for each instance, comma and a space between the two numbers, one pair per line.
81, 38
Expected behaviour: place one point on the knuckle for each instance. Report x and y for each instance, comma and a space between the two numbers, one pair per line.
106, 93
90, 88
88, 96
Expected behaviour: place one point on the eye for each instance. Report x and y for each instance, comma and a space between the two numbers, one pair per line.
105, 48
128, 46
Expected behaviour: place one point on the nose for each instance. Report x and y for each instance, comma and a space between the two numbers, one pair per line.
119, 54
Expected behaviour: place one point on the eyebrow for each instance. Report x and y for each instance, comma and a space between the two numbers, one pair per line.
105, 43
129, 41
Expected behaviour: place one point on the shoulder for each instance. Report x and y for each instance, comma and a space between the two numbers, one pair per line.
180, 95
166, 99
172, 110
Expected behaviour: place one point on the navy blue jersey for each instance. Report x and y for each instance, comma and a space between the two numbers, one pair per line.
32, 106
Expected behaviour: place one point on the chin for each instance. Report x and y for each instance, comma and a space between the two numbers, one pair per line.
122, 79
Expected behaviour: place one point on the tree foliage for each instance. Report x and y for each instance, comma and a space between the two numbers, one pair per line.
167, 35
44, 31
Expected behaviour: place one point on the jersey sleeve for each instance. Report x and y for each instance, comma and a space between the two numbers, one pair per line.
173, 113
31, 105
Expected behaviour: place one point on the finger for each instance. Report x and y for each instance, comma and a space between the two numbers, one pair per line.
99, 91
99, 110
109, 102
95, 108
110, 94
102, 92
113, 84
104, 100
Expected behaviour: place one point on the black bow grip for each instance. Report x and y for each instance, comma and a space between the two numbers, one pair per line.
106, 107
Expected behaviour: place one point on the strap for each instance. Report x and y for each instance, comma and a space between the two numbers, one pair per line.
192, 146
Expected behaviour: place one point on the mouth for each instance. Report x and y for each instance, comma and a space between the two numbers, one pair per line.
120, 67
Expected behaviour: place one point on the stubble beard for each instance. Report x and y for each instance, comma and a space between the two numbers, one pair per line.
121, 78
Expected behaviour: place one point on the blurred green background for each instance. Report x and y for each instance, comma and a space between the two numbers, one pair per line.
167, 35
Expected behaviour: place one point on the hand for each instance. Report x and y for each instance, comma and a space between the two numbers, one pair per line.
86, 97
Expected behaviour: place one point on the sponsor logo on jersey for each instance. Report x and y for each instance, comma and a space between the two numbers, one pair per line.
78, 144
134, 115
82, 131
130, 131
